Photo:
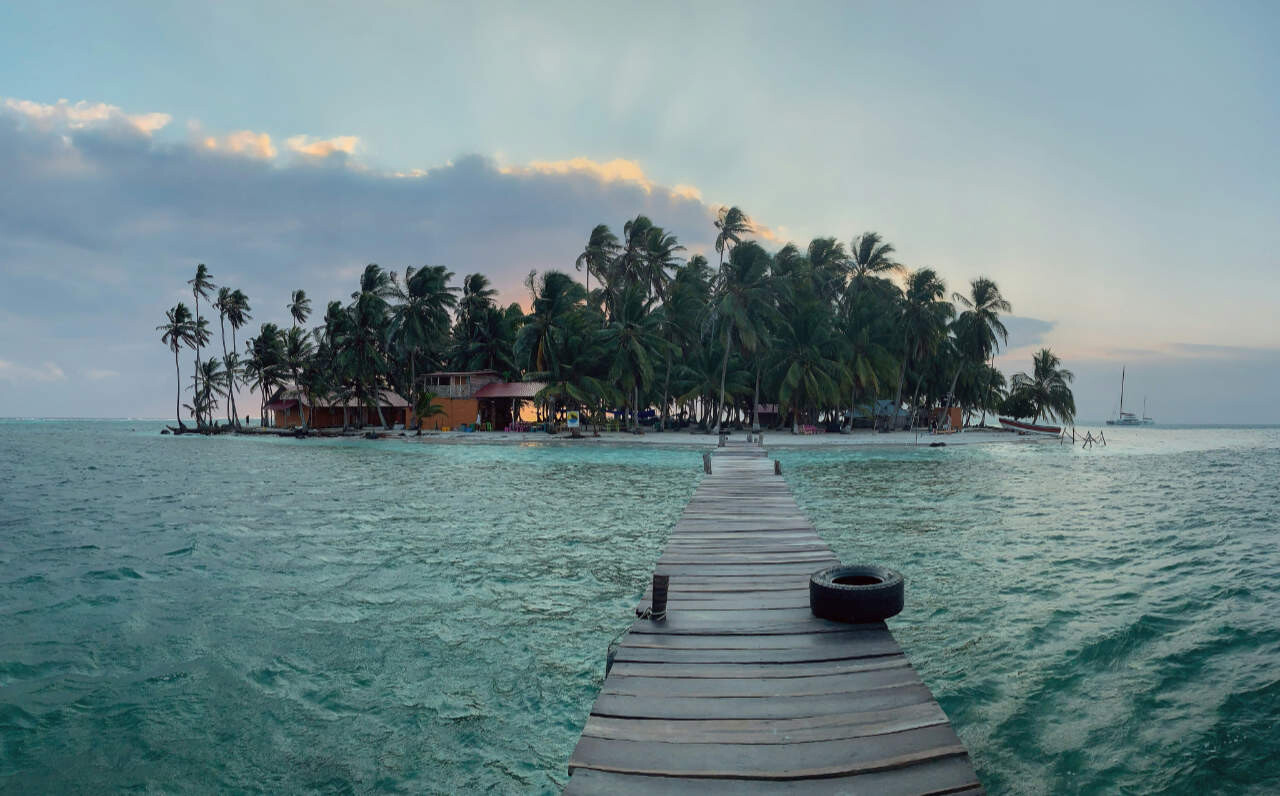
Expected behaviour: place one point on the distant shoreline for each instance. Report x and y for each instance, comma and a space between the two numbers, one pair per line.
776, 439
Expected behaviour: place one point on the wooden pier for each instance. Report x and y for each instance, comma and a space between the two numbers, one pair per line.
741, 689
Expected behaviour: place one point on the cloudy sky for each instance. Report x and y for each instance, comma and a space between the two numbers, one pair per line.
1115, 169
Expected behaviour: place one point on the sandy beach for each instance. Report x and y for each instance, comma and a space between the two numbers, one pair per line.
774, 439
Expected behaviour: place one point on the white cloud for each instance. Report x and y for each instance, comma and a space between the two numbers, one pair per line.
98, 374
14, 372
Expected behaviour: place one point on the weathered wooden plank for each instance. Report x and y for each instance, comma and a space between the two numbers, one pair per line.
767, 761
756, 671
950, 775
738, 687
768, 731
847, 638
777, 707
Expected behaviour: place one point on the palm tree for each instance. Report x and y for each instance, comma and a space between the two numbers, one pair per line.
678, 318
425, 408
865, 356
364, 348
572, 378
870, 256
979, 329
477, 296
264, 357
200, 337
555, 298
731, 225
201, 286
700, 377
206, 388
631, 340
922, 318
221, 304
660, 258
741, 304
299, 307
828, 261
238, 315
808, 362
601, 250
177, 332
489, 342
1047, 389
422, 317
296, 353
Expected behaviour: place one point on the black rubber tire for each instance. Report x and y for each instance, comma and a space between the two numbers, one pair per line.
874, 600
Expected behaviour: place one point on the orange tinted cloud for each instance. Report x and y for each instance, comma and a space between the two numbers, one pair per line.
243, 142
324, 147
85, 114
616, 170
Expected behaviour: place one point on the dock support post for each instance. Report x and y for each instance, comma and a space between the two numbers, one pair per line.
706, 463
777, 467
723, 437
659, 610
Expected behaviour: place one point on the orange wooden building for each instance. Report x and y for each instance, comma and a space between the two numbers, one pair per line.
475, 396
288, 405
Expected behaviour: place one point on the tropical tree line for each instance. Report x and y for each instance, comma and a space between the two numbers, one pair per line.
831, 334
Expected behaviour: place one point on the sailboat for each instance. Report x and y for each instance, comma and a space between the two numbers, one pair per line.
1129, 418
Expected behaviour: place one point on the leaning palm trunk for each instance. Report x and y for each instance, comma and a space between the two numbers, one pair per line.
177, 401
902, 374
986, 394
853, 401
724, 370
755, 403
231, 382
951, 393
195, 384
666, 383
222, 321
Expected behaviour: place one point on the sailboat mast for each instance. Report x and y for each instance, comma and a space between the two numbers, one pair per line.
1122, 389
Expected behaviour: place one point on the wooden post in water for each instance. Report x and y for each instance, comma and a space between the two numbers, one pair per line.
658, 612
706, 463
723, 437
777, 467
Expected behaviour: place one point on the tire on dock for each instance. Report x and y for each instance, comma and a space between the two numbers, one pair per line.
856, 593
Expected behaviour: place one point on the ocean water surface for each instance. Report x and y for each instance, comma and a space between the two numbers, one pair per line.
271, 615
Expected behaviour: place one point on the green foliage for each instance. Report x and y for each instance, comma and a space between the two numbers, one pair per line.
1046, 389
820, 329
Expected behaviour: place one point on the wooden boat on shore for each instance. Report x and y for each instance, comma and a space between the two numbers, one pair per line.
1030, 428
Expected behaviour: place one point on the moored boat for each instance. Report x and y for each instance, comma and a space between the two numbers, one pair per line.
1029, 428
1129, 418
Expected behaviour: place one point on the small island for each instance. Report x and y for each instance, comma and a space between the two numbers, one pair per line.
821, 339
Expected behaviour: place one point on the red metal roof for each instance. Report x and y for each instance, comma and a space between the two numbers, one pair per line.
510, 389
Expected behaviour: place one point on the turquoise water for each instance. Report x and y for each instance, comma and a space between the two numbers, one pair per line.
188, 615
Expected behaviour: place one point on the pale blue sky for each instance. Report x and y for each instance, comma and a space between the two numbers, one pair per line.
1113, 168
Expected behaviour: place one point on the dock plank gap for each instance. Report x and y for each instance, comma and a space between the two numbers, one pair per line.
740, 688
